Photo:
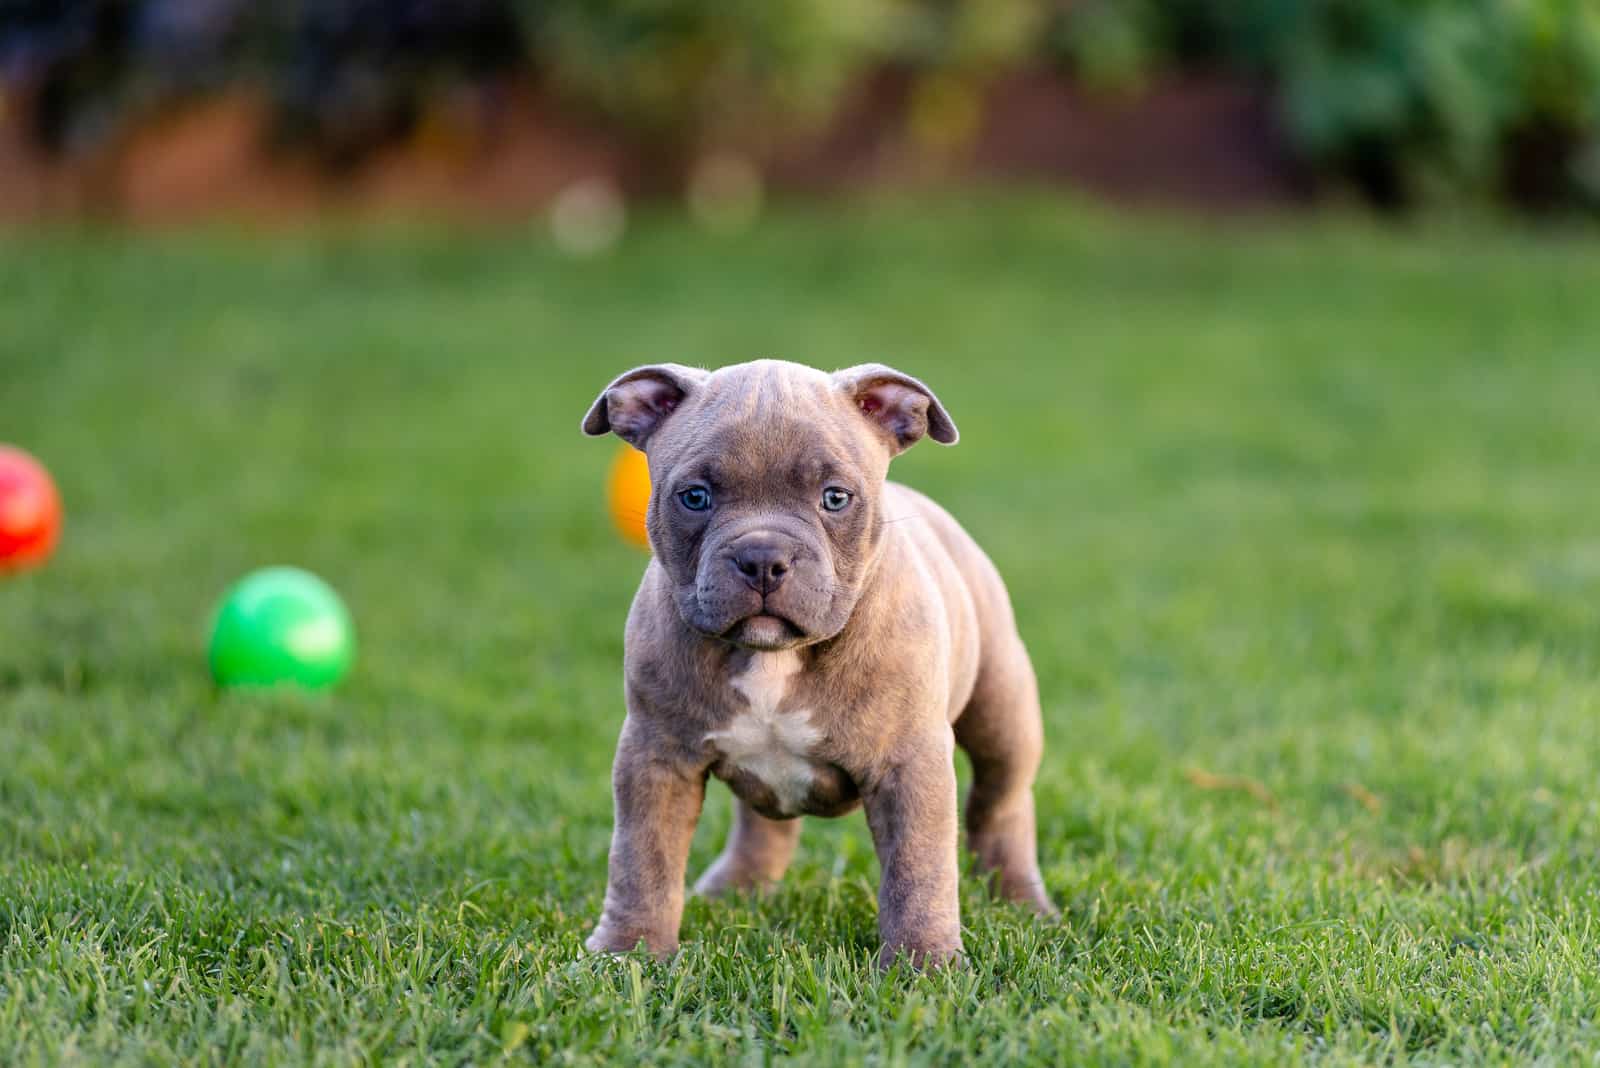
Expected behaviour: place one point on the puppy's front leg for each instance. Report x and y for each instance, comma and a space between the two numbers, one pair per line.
657, 801
912, 814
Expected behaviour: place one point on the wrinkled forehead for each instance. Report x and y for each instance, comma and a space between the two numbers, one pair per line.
765, 389
769, 423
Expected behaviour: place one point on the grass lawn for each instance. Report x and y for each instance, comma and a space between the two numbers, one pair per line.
1302, 524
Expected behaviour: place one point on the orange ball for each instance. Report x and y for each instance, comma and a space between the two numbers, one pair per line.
628, 494
30, 511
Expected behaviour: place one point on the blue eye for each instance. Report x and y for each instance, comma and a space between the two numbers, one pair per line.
696, 498
835, 499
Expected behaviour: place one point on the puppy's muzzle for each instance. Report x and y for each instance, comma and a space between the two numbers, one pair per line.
762, 561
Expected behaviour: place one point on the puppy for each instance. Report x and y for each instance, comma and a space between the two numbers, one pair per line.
817, 638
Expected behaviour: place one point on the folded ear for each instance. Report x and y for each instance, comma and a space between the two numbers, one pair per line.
638, 402
901, 406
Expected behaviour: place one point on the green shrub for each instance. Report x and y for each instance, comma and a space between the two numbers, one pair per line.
1411, 100
1408, 100
1432, 99
1112, 44
957, 36
699, 67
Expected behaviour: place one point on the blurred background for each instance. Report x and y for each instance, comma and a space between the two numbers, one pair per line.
162, 110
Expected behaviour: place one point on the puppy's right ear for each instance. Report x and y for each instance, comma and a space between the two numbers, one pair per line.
638, 402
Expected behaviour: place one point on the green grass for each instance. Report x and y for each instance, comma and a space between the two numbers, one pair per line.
1314, 506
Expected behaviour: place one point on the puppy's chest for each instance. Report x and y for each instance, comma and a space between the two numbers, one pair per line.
769, 749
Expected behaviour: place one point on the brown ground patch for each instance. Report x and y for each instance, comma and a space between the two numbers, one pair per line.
499, 152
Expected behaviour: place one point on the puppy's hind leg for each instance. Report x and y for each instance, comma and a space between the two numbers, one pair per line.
757, 854
1002, 734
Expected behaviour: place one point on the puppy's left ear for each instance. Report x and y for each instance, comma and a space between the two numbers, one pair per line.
638, 402
903, 408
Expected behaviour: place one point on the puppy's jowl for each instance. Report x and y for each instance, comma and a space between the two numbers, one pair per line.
818, 638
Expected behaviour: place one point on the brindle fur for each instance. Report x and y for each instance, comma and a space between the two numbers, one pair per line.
897, 642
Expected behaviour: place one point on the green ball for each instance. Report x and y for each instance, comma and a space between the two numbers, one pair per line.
281, 625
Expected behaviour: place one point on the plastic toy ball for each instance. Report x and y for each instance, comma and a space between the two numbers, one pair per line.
281, 625
628, 494
30, 511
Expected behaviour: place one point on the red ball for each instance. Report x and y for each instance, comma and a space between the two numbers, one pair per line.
30, 511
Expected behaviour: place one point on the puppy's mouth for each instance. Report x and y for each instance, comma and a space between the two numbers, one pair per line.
764, 631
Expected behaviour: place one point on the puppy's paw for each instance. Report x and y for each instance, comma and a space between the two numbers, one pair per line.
921, 956
1029, 892
607, 939
1044, 909
727, 877
1014, 876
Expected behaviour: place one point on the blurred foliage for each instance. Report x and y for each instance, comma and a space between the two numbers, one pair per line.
1411, 100
349, 75
694, 67
1408, 100
345, 75
959, 36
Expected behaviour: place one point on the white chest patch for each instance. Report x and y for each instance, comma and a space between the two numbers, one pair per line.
774, 747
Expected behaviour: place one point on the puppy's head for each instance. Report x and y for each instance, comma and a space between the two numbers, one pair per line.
767, 485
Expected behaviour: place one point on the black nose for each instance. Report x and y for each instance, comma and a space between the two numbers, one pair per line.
763, 565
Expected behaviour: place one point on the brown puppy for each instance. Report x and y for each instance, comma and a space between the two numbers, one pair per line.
817, 638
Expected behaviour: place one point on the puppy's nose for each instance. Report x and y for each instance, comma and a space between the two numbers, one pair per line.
763, 565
